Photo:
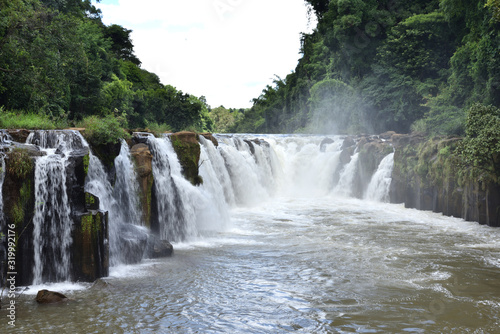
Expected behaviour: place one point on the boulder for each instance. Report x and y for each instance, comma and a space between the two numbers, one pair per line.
188, 151
159, 248
50, 297
324, 143
210, 137
143, 160
90, 249
19, 135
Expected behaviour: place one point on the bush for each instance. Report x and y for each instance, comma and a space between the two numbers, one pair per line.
30, 121
103, 130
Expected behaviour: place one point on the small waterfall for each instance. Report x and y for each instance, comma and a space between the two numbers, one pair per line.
214, 171
303, 167
216, 186
378, 188
126, 188
347, 175
52, 223
176, 213
249, 187
121, 202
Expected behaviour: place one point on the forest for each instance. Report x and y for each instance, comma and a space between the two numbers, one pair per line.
61, 66
369, 66
376, 65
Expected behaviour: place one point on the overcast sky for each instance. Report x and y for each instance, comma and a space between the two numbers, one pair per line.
226, 50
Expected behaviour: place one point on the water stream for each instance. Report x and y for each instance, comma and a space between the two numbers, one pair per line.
276, 246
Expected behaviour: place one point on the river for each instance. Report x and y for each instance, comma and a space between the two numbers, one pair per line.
301, 259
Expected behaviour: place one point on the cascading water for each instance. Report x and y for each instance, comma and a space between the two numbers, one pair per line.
52, 222
214, 172
244, 172
378, 188
173, 223
121, 202
345, 185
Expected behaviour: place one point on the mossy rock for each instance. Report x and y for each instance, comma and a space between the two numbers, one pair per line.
187, 147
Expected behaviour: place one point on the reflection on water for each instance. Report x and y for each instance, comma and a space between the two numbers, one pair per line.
328, 265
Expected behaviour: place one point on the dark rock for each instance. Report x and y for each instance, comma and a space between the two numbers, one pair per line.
210, 137
91, 202
143, 159
348, 142
188, 151
32, 150
387, 135
159, 248
140, 137
324, 143
90, 250
133, 242
50, 297
19, 135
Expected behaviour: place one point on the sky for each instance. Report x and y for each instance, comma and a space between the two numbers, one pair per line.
225, 50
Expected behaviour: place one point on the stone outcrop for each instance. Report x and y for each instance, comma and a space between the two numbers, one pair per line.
90, 250
426, 177
143, 163
187, 147
50, 297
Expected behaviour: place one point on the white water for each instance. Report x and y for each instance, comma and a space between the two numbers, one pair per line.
120, 201
380, 183
52, 223
297, 256
184, 211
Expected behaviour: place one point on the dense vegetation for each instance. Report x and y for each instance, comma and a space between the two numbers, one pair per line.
60, 66
377, 65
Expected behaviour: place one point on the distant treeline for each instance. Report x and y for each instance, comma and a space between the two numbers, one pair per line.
377, 65
59, 62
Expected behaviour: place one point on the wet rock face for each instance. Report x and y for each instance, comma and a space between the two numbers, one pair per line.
90, 249
426, 177
188, 151
143, 160
210, 137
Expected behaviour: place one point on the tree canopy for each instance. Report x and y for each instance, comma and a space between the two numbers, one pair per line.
409, 65
58, 60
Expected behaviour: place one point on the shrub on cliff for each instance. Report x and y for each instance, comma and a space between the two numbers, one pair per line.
103, 130
480, 149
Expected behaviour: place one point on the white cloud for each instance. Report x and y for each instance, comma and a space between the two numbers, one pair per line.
226, 50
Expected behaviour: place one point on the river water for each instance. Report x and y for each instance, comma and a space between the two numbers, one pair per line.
302, 259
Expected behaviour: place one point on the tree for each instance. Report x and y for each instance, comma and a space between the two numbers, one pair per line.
480, 149
121, 43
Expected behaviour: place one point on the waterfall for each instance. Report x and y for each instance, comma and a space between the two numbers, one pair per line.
378, 188
176, 213
302, 167
52, 223
347, 175
214, 172
249, 186
126, 188
121, 203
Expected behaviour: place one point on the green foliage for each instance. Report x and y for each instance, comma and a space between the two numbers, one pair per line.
59, 61
103, 130
480, 149
410, 65
224, 119
30, 121
20, 164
